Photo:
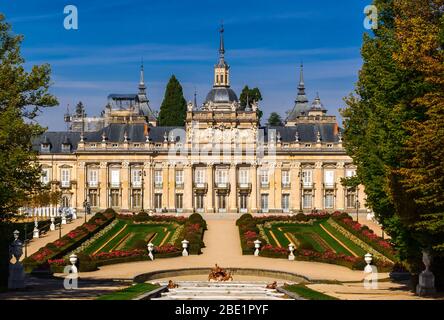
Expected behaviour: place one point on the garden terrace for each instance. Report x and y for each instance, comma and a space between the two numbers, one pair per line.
126, 239
316, 237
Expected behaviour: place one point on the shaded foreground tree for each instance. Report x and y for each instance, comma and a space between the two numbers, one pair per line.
23, 94
174, 106
393, 127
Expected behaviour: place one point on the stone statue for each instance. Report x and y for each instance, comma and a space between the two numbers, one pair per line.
16, 278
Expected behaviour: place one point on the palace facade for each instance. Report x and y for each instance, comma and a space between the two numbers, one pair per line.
222, 160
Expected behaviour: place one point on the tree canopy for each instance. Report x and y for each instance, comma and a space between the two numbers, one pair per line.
251, 95
174, 106
394, 126
274, 119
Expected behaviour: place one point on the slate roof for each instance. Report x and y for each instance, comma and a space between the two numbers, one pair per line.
56, 139
307, 132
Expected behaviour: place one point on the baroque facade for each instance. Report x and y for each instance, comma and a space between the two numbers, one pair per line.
222, 160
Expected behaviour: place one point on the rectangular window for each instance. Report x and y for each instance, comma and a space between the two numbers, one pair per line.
243, 200
136, 178
115, 198
285, 178
115, 178
158, 201
264, 177
264, 202
179, 201
45, 176
307, 178
65, 177
221, 176
179, 178
329, 200
307, 200
93, 178
351, 200
199, 176
244, 176
158, 178
137, 198
199, 201
329, 178
93, 197
285, 202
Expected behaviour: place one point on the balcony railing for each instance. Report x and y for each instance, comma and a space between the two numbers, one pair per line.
93, 184
114, 184
222, 185
265, 184
200, 185
65, 184
136, 184
329, 185
179, 185
307, 185
286, 185
244, 185
158, 185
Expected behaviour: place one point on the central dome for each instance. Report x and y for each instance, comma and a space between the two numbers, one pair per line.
221, 94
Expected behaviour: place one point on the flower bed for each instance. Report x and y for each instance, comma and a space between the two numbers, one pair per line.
58, 248
365, 234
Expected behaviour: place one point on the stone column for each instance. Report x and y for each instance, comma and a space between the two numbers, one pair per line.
232, 203
165, 185
171, 186
82, 184
278, 187
125, 185
318, 180
254, 188
340, 192
103, 185
188, 185
272, 186
147, 186
210, 193
295, 190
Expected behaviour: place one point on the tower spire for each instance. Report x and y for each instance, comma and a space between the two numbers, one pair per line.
142, 86
221, 45
221, 73
195, 97
301, 97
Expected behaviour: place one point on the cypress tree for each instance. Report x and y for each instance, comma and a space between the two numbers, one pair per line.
174, 106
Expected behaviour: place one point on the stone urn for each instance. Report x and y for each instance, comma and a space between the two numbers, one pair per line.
257, 245
52, 226
291, 249
185, 246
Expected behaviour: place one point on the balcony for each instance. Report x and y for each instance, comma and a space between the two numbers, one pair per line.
329, 185
179, 185
244, 186
93, 184
222, 185
286, 185
307, 185
158, 185
115, 185
136, 184
265, 185
65, 184
201, 185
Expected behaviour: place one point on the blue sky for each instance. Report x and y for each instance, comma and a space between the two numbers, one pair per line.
265, 43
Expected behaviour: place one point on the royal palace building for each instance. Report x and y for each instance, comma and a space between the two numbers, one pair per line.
221, 161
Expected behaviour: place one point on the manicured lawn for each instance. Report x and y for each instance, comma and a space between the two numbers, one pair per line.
307, 293
313, 235
126, 235
130, 292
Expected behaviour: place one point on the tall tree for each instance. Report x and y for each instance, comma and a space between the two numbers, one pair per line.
23, 94
274, 119
251, 95
174, 106
377, 121
420, 30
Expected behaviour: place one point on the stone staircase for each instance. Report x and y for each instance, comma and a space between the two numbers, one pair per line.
233, 290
